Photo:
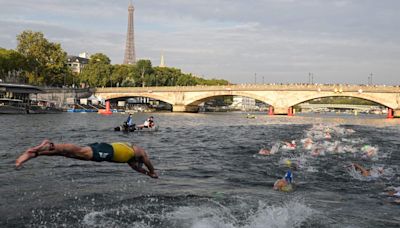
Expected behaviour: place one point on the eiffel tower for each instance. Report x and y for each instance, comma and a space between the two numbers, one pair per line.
130, 57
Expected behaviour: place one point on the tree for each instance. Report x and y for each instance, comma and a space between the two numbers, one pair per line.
123, 75
99, 58
186, 80
98, 71
12, 66
202, 81
46, 60
167, 76
142, 72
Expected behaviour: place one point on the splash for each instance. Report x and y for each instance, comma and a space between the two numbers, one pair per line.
376, 172
290, 214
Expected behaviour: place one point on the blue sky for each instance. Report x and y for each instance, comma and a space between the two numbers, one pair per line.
280, 41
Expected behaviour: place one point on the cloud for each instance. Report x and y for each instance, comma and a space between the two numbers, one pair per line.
340, 41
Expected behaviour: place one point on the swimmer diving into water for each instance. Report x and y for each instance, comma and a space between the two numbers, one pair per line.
114, 152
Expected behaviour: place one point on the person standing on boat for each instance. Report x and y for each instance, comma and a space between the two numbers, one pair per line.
117, 152
129, 121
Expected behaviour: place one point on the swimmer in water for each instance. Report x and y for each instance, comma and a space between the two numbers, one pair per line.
327, 135
361, 169
117, 152
365, 172
284, 184
264, 151
307, 143
394, 192
316, 152
369, 151
290, 145
291, 165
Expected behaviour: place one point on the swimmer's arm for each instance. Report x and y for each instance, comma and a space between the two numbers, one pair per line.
363, 171
136, 167
148, 164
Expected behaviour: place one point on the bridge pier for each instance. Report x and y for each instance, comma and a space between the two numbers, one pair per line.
396, 113
185, 108
389, 113
271, 111
281, 110
290, 111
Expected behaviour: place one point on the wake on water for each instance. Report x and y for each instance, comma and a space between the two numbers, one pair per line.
293, 213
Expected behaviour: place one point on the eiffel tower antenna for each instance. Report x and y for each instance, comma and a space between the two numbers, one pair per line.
130, 56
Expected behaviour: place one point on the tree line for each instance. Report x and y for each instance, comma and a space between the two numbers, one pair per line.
37, 61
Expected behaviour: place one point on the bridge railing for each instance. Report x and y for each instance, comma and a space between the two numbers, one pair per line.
258, 87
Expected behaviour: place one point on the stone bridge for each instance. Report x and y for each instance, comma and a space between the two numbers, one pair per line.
281, 97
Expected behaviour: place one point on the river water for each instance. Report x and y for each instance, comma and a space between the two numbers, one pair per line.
210, 172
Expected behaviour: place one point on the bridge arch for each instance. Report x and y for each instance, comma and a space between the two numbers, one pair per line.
148, 95
196, 100
358, 95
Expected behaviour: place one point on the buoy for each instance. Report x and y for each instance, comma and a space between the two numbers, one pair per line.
106, 111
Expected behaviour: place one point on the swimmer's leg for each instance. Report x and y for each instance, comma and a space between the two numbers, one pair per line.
33, 152
70, 151
66, 150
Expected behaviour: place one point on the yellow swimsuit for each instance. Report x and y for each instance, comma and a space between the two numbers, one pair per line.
123, 152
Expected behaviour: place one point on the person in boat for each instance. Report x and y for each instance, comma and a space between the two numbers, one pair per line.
285, 184
149, 123
129, 121
118, 152
125, 127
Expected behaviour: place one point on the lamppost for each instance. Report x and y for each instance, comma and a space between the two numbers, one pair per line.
143, 76
310, 78
370, 79
255, 78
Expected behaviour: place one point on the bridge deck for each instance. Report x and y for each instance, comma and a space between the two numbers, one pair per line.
256, 87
